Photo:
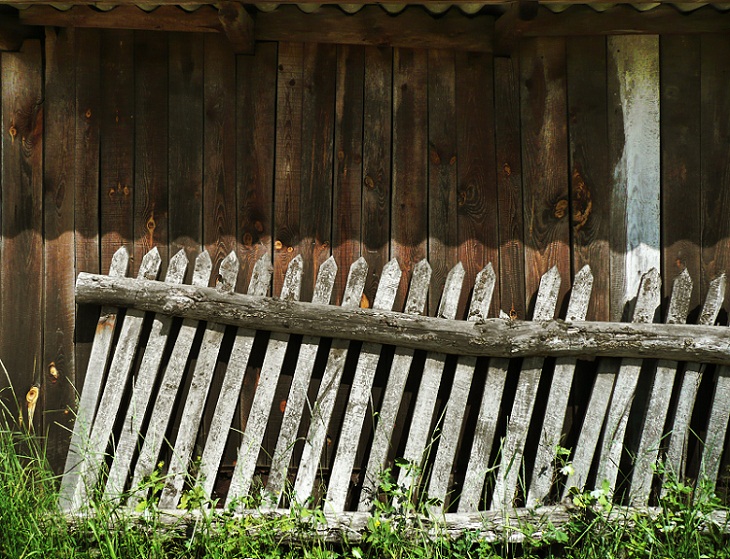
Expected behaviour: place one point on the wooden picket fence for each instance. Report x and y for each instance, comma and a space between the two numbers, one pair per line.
156, 374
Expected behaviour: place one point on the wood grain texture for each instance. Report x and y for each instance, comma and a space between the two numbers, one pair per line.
545, 161
590, 196
185, 153
409, 208
21, 259
681, 161
714, 444
633, 125
509, 186
58, 379
376, 163
477, 193
151, 80
116, 165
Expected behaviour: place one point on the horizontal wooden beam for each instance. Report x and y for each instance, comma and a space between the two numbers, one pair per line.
494, 337
369, 26
13, 33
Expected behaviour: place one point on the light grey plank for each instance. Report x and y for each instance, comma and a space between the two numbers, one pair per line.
91, 391
513, 446
142, 389
325, 402
661, 392
393, 395
716, 428
456, 406
169, 387
543, 472
198, 392
298, 392
220, 424
360, 395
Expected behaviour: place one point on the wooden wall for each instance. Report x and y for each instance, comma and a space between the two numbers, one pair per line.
609, 152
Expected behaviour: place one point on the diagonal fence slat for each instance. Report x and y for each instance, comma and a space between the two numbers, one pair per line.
169, 387
360, 395
656, 412
519, 422
328, 388
716, 427
543, 470
220, 424
89, 399
394, 390
298, 391
198, 393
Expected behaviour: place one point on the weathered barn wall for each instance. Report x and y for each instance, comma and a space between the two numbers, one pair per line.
611, 152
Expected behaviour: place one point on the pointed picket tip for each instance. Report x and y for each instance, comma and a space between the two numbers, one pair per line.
228, 273
547, 295
580, 295
679, 301
355, 283
261, 277
481, 296
325, 282
292, 285
150, 266
503, 315
418, 290
713, 300
648, 298
449, 303
203, 268
120, 263
388, 286
177, 267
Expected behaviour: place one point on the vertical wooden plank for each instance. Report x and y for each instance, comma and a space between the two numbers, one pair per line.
150, 143
185, 151
376, 162
288, 172
442, 176
348, 195
256, 123
58, 377
633, 89
716, 427
409, 209
219, 149
21, 264
318, 125
117, 144
477, 192
508, 144
715, 185
589, 174
87, 187
681, 161
545, 161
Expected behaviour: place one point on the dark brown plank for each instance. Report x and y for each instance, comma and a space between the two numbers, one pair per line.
117, 147
442, 199
21, 261
347, 195
150, 144
590, 197
477, 202
219, 149
681, 161
509, 186
409, 209
288, 173
376, 161
256, 114
238, 25
715, 185
58, 378
318, 123
185, 145
545, 162
87, 187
